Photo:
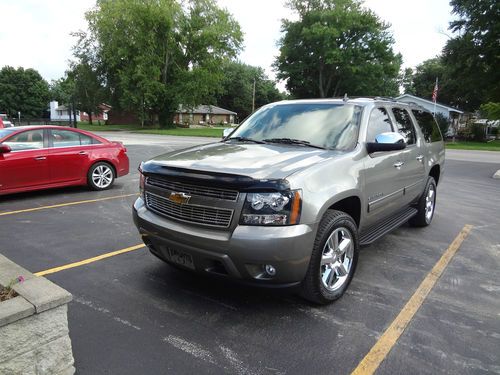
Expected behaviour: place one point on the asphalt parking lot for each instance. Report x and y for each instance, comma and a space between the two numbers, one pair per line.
133, 314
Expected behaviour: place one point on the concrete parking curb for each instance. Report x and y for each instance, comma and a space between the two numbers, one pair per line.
34, 335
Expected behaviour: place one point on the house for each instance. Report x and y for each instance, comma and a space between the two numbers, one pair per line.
204, 114
453, 115
102, 116
61, 113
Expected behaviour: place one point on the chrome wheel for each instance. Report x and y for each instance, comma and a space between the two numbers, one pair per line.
102, 176
430, 201
337, 259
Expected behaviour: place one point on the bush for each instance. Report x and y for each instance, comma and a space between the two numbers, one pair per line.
477, 132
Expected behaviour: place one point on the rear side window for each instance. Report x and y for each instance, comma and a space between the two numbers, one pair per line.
67, 138
428, 126
404, 124
379, 123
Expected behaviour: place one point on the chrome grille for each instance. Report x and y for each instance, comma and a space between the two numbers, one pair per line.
189, 213
224, 194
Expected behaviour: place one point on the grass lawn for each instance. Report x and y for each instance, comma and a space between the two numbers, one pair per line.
194, 132
480, 146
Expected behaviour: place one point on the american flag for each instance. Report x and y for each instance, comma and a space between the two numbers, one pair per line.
435, 92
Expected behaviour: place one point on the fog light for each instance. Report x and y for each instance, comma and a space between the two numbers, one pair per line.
270, 270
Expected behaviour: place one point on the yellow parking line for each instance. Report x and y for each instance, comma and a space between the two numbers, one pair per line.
383, 346
65, 204
90, 260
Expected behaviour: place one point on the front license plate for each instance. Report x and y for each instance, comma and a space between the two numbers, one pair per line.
180, 258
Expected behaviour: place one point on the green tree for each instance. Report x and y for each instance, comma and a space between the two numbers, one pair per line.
23, 90
490, 110
337, 47
157, 54
472, 57
236, 90
424, 80
88, 93
407, 82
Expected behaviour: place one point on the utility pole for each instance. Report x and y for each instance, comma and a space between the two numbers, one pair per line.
253, 97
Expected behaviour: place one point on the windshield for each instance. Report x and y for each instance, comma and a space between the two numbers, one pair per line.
5, 132
328, 125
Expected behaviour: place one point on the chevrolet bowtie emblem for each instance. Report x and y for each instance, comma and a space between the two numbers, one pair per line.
180, 198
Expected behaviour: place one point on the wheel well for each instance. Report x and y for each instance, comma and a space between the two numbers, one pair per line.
351, 206
106, 162
435, 172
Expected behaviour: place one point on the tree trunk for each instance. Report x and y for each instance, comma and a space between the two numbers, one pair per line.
90, 118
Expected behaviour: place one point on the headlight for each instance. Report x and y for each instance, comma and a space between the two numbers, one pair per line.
275, 208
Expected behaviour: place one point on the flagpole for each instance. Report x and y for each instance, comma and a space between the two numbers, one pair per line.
434, 95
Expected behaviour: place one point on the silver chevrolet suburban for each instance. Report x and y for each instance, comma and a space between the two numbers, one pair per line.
288, 197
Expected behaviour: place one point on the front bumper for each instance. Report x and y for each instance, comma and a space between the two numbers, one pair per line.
239, 254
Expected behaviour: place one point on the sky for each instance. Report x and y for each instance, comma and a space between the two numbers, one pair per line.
36, 33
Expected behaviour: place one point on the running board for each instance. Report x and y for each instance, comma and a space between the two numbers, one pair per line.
376, 231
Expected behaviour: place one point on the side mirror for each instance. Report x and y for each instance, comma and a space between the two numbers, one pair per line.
226, 132
386, 142
4, 148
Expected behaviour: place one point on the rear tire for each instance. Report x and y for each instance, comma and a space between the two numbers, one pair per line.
426, 205
333, 259
100, 176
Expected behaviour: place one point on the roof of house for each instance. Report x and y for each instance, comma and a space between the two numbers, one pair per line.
418, 99
203, 109
62, 108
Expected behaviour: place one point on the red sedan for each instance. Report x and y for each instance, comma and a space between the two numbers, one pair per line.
41, 157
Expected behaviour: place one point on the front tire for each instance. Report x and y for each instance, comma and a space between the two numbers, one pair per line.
333, 259
426, 205
100, 176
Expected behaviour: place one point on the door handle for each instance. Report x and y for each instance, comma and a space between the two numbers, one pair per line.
399, 164
420, 157
82, 153
40, 158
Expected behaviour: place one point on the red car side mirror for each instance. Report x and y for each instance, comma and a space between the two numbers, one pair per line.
4, 149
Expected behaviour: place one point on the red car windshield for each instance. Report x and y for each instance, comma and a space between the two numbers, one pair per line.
5, 132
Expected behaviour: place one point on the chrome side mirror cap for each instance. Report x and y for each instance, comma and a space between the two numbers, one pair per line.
389, 141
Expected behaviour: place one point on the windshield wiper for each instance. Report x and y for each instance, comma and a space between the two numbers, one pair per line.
291, 141
244, 139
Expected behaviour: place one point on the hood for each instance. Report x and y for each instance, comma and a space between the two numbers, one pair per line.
258, 161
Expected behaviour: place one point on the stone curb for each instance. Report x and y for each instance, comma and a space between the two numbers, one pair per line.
36, 294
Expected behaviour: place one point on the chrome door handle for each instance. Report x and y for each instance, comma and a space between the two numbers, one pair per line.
399, 164
40, 158
420, 157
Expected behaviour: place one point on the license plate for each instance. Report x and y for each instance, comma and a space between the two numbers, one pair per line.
180, 258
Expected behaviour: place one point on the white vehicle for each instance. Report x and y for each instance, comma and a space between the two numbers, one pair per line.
6, 121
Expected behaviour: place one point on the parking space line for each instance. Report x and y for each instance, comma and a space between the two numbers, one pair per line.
65, 204
89, 260
389, 338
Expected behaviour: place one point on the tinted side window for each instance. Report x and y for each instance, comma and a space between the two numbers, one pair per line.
404, 124
28, 140
85, 139
379, 123
67, 138
428, 126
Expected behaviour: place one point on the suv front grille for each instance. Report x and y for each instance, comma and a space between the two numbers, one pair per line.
202, 191
193, 214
